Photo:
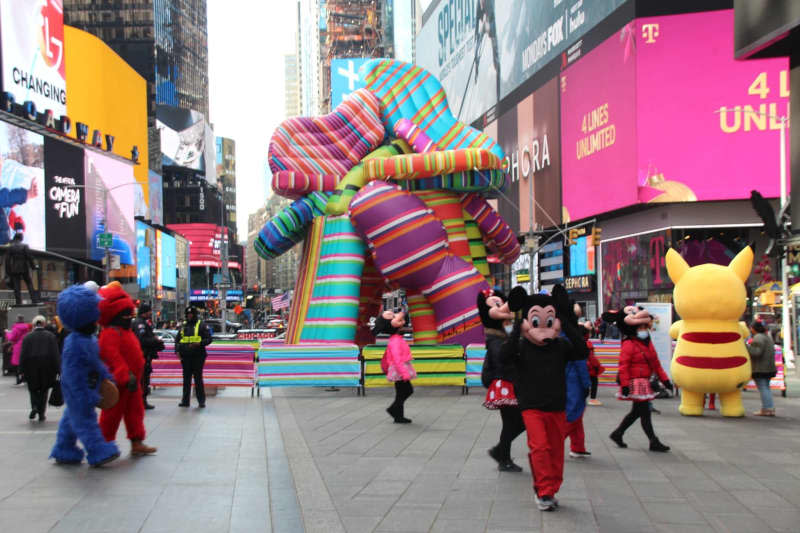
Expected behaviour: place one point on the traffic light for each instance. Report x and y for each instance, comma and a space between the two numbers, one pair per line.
572, 236
596, 236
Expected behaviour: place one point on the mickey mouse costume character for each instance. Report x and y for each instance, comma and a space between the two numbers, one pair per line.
396, 362
638, 360
497, 377
120, 350
83, 377
540, 356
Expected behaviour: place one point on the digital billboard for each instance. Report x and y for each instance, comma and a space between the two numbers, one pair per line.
109, 205
186, 140
167, 276
708, 125
598, 129
582, 257
529, 135
144, 250
205, 244
65, 198
22, 206
344, 78
481, 50
32, 42
156, 204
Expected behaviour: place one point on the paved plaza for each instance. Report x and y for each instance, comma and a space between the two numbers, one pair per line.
321, 461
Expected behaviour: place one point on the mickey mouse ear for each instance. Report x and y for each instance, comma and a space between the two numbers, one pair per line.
517, 297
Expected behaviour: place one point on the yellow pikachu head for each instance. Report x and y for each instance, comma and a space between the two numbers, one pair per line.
710, 291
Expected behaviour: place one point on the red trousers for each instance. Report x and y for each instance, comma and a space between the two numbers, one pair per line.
130, 407
546, 444
576, 437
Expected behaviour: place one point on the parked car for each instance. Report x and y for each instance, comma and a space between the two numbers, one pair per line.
216, 325
166, 335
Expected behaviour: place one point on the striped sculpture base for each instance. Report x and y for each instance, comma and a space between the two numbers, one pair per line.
435, 365
292, 365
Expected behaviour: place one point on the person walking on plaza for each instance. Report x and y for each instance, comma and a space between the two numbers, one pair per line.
762, 360
396, 362
120, 351
150, 344
595, 368
637, 361
498, 377
19, 263
193, 337
540, 354
578, 385
15, 336
40, 362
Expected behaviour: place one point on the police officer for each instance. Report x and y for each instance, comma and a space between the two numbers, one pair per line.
150, 344
193, 337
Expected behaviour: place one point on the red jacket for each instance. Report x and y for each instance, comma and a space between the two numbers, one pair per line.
638, 360
595, 368
120, 351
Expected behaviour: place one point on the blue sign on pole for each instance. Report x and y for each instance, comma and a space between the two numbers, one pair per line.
344, 78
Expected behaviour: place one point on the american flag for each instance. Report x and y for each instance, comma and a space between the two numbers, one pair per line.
280, 302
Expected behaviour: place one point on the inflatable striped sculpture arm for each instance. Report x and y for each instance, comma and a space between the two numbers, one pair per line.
289, 227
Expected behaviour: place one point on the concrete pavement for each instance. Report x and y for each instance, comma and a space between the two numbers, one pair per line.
313, 460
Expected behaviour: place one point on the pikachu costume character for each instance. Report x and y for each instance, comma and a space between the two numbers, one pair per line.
710, 356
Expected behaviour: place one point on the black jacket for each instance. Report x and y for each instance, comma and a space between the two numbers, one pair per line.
187, 330
39, 359
540, 381
151, 344
494, 365
18, 259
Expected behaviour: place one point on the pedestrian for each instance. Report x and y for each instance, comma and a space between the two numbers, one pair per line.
396, 362
637, 361
19, 263
595, 368
762, 359
540, 356
150, 345
193, 337
120, 351
57, 328
15, 336
40, 362
497, 377
578, 387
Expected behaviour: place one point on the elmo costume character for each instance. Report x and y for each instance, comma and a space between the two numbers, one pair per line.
120, 350
82, 373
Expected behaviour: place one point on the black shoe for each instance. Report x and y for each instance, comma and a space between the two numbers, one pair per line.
392, 412
183, 404
149, 406
32, 415
617, 438
508, 466
202, 406
658, 446
42, 418
402, 420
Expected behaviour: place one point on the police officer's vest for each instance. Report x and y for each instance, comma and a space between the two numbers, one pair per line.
193, 338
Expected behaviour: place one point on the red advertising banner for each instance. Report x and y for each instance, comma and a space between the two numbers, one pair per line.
205, 244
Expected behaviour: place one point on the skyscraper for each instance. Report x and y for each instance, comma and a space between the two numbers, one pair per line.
165, 41
292, 85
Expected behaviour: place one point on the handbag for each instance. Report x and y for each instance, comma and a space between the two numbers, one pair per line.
56, 397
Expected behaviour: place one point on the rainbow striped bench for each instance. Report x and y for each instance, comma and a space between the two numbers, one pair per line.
228, 364
308, 365
435, 365
475, 354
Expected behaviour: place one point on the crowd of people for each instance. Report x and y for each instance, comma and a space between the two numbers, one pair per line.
98, 352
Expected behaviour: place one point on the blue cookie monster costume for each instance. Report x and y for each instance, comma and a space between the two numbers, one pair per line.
81, 374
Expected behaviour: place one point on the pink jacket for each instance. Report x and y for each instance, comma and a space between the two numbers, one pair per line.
15, 336
395, 357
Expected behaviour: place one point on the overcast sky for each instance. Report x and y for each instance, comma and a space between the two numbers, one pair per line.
246, 44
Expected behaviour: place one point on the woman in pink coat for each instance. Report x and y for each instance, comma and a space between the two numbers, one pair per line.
396, 362
15, 336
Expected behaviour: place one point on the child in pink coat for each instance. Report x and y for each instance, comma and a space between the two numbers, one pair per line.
396, 362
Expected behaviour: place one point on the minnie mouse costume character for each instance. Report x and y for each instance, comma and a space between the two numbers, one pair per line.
120, 350
638, 360
497, 377
540, 356
396, 362
82, 374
